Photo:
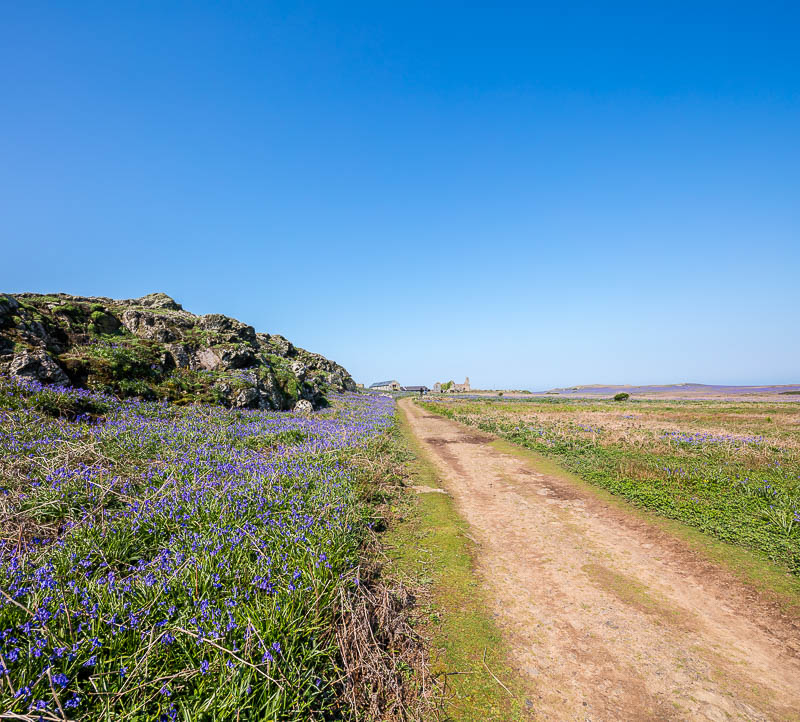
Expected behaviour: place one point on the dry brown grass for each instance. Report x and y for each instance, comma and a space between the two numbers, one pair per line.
385, 666
386, 673
646, 429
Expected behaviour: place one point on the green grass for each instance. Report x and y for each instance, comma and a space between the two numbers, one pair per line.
430, 548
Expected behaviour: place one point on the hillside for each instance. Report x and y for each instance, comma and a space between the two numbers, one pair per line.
152, 348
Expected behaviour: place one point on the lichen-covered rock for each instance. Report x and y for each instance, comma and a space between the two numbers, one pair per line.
252, 390
155, 326
278, 344
37, 365
104, 323
303, 407
152, 347
248, 398
225, 358
157, 300
224, 327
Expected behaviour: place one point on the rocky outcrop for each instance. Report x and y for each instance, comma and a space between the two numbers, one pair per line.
152, 347
38, 365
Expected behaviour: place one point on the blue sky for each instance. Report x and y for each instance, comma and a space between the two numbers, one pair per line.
531, 195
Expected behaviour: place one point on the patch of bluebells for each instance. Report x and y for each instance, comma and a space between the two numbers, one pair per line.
674, 472
702, 438
192, 549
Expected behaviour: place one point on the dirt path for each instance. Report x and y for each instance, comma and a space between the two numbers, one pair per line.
609, 616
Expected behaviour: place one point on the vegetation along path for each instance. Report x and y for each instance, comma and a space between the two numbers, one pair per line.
610, 616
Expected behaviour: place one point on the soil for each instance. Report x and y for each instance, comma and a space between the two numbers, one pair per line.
610, 617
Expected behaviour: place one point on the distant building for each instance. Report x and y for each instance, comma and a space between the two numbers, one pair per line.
386, 386
416, 389
451, 388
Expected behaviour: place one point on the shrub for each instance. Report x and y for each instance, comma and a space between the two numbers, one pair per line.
621, 397
68, 308
135, 360
285, 380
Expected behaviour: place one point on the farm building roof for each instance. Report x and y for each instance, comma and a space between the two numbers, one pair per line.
381, 383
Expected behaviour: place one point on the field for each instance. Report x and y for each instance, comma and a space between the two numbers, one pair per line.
729, 469
192, 562
165, 562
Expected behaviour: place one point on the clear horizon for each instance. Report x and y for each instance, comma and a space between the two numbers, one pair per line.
534, 197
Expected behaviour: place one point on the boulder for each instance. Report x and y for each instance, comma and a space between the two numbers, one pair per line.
37, 365
207, 359
105, 322
303, 407
157, 300
246, 399
271, 394
259, 391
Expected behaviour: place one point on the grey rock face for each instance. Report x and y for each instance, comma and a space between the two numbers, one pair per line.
228, 328
281, 346
180, 355
155, 326
238, 357
37, 365
225, 359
